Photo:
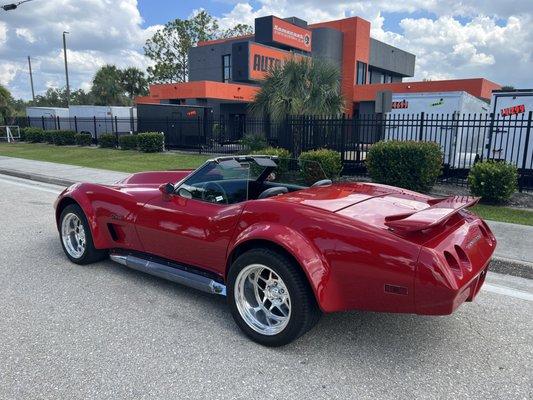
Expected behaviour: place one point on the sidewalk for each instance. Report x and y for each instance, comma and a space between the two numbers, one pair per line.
514, 253
59, 174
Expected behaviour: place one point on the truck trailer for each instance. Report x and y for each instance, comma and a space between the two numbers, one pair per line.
98, 120
47, 117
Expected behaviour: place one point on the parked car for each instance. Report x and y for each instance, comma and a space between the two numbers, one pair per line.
282, 242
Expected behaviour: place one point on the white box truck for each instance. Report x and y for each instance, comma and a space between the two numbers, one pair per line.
98, 120
445, 114
46, 117
507, 140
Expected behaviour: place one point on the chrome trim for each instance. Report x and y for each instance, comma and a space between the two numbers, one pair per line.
177, 275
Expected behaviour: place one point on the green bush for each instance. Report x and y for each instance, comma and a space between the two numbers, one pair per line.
64, 138
33, 135
493, 181
84, 139
151, 142
329, 161
283, 155
128, 142
410, 165
254, 142
107, 140
48, 136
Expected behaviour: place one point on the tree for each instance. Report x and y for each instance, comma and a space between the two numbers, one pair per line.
5, 104
107, 88
53, 97
169, 47
507, 87
134, 82
237, 30
300, 87
81, 97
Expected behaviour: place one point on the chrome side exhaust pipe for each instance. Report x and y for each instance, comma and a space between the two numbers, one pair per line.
177, 275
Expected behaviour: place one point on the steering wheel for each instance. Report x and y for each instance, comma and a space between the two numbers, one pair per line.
214, 193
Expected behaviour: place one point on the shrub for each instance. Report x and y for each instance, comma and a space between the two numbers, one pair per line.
107, 140
64, 138
48, 136
254, 142
410, 165
128, 142
493, 181
84, 139
329, 161
34, 135
151, 142
23, 133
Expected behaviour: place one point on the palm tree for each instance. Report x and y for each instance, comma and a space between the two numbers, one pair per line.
5, 104
134, 82
300, 87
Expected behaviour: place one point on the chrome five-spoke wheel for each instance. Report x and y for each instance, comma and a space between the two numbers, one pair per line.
262, 299
73, 235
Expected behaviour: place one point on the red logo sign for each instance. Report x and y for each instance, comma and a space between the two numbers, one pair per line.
400, 104
291, 35
505, 112
192, 113
263, 59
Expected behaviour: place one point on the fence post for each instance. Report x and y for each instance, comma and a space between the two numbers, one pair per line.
95, 131
76, 124
491, 128
42, 121
526, 148
343, 133
116, 131
199, 136
58, 123
421, 131
29, 121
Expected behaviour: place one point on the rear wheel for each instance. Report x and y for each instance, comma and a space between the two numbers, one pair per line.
270, 298
76, 237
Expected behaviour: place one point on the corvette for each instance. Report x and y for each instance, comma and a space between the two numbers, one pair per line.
282, 242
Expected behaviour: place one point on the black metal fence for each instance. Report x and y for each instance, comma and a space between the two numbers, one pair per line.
464, 139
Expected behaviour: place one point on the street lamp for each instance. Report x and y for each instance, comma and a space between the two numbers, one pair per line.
13, 6
66, 65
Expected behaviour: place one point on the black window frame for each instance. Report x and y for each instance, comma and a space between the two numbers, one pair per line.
361, 71
226, 68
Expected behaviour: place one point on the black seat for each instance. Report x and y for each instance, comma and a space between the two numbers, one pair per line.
323, 182
273, 191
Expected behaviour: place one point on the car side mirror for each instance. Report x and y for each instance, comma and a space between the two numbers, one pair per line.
167, 189
182, 192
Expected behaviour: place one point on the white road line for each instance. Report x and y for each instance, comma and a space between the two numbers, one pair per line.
28, 186
507, 291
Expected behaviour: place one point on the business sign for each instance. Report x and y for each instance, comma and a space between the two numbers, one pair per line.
291, 35
513, 110
275, 31
262, 59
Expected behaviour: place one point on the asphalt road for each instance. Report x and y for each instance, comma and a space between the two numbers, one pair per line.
103, 331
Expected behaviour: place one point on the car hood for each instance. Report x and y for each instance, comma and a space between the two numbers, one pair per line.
366, 202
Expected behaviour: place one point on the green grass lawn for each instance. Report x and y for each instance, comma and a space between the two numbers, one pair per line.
115, 160
504, 214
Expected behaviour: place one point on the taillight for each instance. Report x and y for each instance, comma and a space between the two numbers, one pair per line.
485, 230
452, 262
463, 258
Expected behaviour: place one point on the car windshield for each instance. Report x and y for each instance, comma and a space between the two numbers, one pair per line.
237, 179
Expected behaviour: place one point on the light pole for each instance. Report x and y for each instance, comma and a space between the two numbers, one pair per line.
66, 65
31, 79
13, 6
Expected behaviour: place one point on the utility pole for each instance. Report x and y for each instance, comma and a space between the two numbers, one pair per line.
31, 79
66, 66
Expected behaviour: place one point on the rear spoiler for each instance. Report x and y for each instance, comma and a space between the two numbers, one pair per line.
438, 212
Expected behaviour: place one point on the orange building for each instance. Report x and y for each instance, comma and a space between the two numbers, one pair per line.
225, 74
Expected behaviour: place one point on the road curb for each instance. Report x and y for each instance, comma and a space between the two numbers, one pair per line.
499, 265
36, 177
506, 266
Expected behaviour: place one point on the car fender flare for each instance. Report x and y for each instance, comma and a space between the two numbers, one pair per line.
312, 262
81, 199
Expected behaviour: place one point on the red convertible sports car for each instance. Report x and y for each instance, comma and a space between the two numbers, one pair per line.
281, 242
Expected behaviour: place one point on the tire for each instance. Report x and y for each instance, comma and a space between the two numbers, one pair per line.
71, 217
287, 290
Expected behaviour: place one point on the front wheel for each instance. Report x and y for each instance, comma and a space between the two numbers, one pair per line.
76, 237
270, 298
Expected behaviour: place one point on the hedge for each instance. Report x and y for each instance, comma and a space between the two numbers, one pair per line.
107, 140
33, 135
493, 181
128, 142
84, 139
48, 136
316, 163
410, 165
151, 142
254, 142
64, 138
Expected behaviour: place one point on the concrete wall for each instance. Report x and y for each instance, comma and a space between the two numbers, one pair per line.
327, 44
390, 58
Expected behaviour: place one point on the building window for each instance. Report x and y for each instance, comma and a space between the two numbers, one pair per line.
361, 73
226, 68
